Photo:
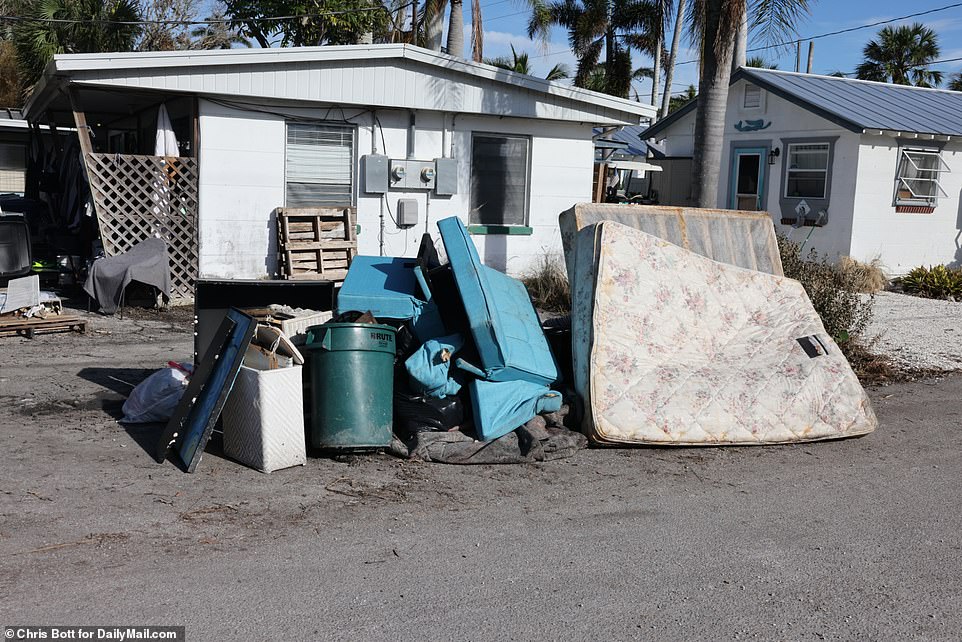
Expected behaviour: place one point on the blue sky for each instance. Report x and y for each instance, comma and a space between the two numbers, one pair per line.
505, 24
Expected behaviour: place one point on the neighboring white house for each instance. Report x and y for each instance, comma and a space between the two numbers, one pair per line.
308, 126
14, 140
869, 169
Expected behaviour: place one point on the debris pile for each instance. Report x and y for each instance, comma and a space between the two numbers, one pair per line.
449, 361
26, 310
440, 362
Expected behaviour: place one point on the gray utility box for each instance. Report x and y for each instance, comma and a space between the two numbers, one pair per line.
446, 180
407, 212
374, 171
412, 174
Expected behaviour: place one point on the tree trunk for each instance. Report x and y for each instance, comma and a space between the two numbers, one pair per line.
670, 70
414, 22
610, 45
477, 32
716, 65
434, 23
456, 30
655, 76
367, 36
741, 42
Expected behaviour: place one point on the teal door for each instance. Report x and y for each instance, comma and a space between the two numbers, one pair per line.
747, 179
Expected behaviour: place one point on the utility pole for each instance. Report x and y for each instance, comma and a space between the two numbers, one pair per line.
811, 56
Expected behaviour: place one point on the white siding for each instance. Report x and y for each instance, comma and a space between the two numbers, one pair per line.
393, 80
242, 182
902, 240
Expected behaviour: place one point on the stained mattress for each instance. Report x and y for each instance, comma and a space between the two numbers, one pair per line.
673, 348
745, 239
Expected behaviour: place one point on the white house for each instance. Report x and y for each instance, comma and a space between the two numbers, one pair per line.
310, 126
868, 169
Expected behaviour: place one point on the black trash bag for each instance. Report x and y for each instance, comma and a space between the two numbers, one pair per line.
415, 414
405, 343
354, 316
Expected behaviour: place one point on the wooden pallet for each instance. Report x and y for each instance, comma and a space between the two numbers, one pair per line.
316, 243
29, 327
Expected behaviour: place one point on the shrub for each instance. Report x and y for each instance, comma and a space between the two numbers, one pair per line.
938, 282
547, 283
867, 278
834, 292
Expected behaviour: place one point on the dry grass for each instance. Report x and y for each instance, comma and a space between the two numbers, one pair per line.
867, 278
547, 283
869, 367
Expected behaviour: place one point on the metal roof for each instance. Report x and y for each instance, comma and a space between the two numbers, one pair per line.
389, 75
861, 106
626, 138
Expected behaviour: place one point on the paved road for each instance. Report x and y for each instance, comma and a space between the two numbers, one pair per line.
858, 539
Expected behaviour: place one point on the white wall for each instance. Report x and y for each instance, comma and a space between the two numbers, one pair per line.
862, 221
904, 241
242, 182
788, 121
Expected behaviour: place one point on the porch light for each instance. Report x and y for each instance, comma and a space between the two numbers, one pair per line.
772, 155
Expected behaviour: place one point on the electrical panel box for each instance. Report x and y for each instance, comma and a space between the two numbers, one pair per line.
407, 212
412, 174
374, 168
446, 180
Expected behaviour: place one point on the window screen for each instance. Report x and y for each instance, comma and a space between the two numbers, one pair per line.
753, 97
807, 170
13, 164
319, 165
917, 182
499, 179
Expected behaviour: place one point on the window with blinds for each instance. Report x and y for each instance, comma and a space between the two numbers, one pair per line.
13, 169
753, 97
499, 179
319, 165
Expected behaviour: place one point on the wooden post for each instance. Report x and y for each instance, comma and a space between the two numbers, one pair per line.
798, 56
602, 176
80, 120
811, 56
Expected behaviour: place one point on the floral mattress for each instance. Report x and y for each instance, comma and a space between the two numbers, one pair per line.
673, 348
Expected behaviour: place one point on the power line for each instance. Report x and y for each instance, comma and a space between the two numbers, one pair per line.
848, 30
922, 64
815, 37
507, 15
209, 21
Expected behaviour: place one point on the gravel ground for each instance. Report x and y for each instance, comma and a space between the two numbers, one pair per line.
918, 333
858, 539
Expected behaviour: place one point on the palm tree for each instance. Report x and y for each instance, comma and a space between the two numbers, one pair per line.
955, 83
676, 102
433, 21
456, 29
596, 26
91, 26
901, 55
519, 63
715, 25
759, 63
673, 58
217, 34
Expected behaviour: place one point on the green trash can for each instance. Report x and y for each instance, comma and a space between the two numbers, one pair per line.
352, 384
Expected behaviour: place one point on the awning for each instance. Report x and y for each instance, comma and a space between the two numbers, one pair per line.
635, 165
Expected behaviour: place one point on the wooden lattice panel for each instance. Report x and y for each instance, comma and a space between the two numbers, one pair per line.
316, 242
137, 197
